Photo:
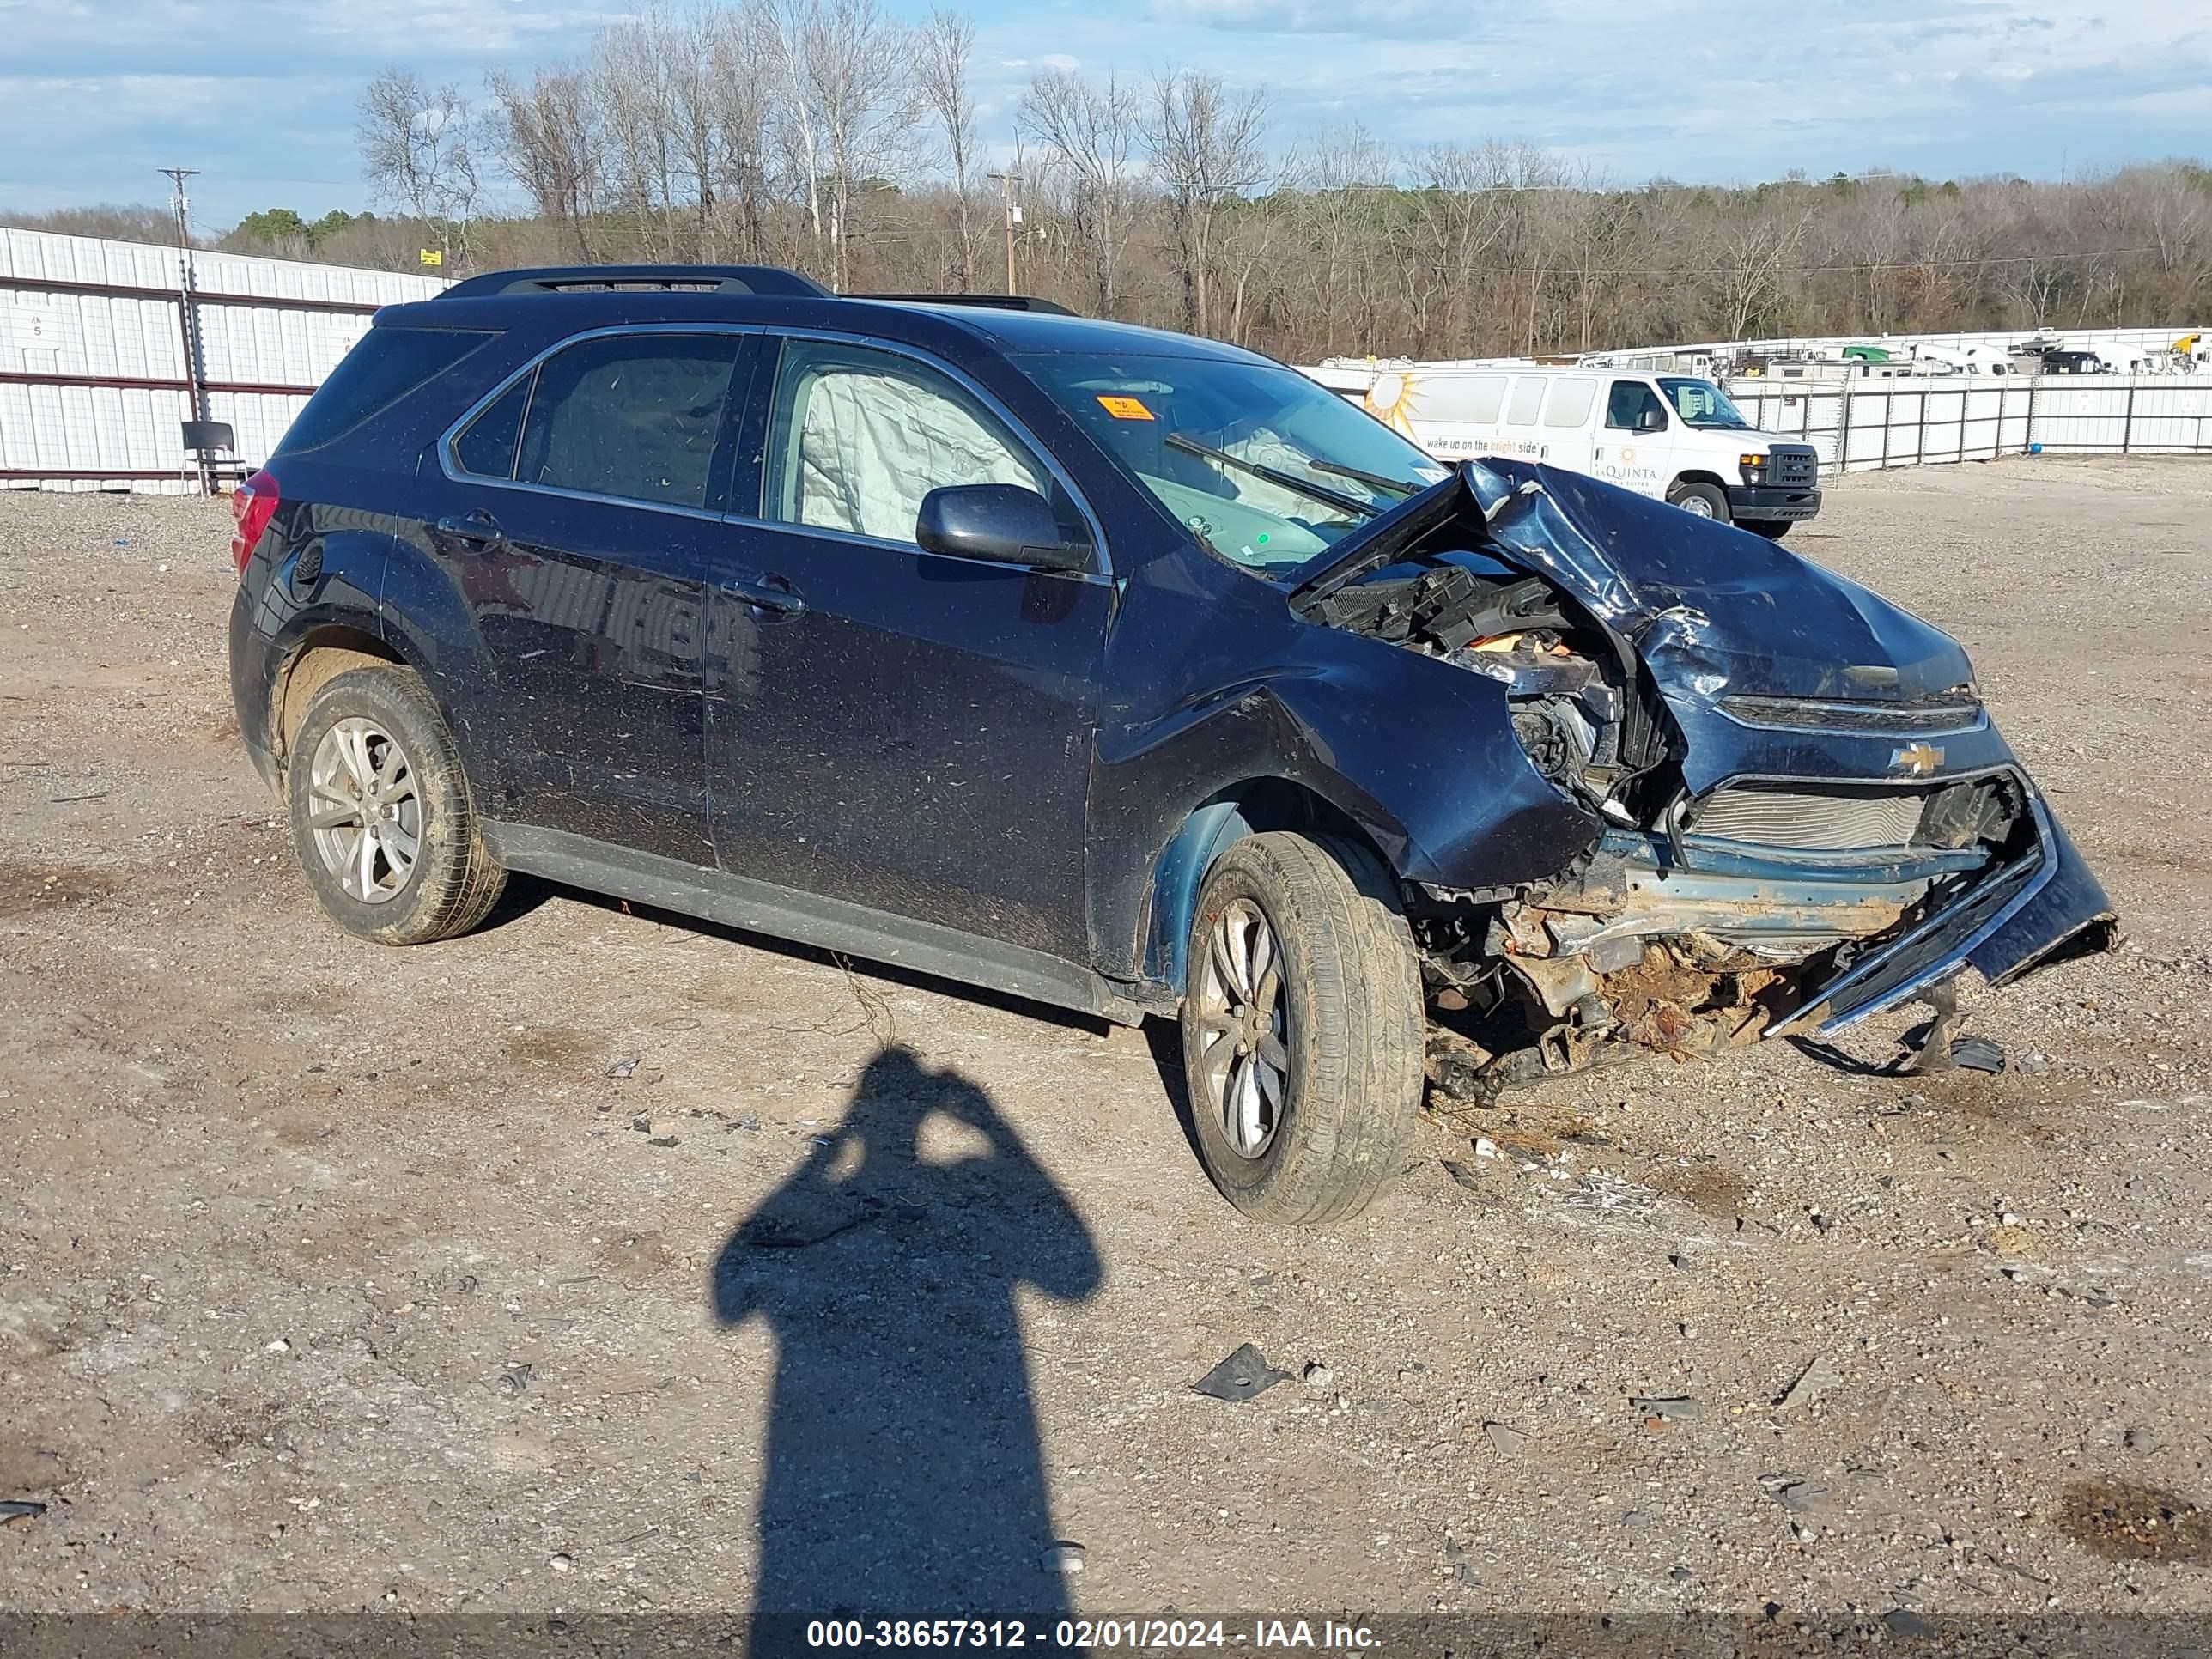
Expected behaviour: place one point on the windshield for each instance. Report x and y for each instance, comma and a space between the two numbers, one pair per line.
1265, 467
1700, 403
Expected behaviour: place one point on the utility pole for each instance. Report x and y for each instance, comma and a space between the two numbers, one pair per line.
187, 318
1013, 217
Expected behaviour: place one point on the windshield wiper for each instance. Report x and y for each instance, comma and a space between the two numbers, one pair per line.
1402, 486
1290, 481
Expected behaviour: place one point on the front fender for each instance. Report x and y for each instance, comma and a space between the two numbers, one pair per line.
1235, 688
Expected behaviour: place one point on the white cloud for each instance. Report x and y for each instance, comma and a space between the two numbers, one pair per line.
1701, 88
1690, 89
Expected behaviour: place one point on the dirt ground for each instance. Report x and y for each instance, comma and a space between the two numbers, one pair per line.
557, 1266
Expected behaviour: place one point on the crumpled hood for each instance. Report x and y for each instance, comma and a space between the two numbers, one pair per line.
1713, 611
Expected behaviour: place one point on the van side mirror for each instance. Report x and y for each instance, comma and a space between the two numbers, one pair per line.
1005, 523
1651, 420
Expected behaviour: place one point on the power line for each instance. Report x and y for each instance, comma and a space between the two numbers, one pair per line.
1798, 271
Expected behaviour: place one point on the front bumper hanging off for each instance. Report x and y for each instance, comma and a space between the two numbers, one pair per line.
2045, 907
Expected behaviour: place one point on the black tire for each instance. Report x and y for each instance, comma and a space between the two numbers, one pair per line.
1353, 1028
1709, 497
1773, 529
453, 881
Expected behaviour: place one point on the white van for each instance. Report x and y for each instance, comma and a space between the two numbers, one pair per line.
1970, 359
1673, 437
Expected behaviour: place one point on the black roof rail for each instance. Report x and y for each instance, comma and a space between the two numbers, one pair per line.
991, 301
706, 279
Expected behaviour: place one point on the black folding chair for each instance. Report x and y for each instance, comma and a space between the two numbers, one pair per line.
212, 447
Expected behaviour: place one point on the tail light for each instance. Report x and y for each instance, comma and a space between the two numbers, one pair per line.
252, 505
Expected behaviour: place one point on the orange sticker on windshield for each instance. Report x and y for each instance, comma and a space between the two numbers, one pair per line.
1125, 409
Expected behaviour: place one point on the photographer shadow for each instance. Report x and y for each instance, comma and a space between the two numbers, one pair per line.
904, 1475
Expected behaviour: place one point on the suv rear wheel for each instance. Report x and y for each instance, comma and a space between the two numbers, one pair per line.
382, 815
1302, 1029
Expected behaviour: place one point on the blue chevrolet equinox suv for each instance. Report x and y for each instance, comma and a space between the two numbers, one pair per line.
1117, 669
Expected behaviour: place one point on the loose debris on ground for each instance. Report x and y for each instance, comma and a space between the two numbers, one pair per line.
1239, 1377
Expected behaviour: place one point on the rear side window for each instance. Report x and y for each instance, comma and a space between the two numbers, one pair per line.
1527, 398
1475, 399
1568, 403
383, 366
635, 416
486, 448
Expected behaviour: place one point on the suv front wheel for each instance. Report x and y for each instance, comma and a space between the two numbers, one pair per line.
382, 815
1700, 501
1301, 1028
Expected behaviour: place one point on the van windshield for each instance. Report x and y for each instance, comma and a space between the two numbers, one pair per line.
1267, 468
1702, 404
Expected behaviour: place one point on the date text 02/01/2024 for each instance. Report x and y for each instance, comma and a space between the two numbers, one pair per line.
1083, 1635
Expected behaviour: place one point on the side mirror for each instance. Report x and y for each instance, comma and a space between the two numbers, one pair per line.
1005, 523
1651, 420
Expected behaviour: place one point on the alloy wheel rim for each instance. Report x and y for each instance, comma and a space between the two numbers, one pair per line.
364, 810
1244, 1062
1697, 507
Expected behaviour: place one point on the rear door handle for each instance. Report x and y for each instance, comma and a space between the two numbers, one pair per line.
774, 593
478, 530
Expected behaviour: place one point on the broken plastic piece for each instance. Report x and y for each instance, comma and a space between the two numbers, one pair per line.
1934, 1051
1977, 1054
1237, 1378
1817, 1377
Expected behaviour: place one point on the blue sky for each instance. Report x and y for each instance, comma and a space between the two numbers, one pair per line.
95, 94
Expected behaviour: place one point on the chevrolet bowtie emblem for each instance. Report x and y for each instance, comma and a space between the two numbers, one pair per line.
1918, 759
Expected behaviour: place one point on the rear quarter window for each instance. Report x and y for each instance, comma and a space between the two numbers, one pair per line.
383, 366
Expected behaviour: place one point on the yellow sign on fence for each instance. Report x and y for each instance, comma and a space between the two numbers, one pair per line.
433, 256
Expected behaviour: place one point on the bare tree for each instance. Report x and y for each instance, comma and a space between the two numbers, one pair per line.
848, 111
786, 130
418, 150
1088, 132
942, 46
549, 137
1747, 286
1206, 145
637, 67
741, 45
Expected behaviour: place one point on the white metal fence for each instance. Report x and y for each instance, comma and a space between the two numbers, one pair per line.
1861, 425
103, 356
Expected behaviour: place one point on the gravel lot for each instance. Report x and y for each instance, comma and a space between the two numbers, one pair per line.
336, 1278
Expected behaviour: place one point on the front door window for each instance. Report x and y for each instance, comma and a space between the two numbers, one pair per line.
860, 437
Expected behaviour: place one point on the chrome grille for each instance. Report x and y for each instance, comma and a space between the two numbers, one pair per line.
1808, 818
1946, 714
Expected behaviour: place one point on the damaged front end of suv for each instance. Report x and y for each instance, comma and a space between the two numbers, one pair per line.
1798, 811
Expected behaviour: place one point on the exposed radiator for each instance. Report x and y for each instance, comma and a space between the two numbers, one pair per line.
1792, 815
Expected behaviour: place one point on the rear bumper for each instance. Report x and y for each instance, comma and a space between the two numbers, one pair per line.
265, 763
252, 663
2045, 906
1772, 502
